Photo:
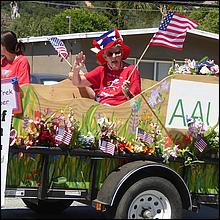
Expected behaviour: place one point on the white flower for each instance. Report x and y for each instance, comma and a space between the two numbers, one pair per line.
138, 148
191, 64
90, 137
101, 121
205, 70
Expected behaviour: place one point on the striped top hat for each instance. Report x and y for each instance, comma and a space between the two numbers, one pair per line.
107, 40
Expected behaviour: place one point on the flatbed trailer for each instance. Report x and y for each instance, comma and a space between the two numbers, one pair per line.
125, 173
124, 185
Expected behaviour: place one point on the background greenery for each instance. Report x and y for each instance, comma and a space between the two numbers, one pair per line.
49, 17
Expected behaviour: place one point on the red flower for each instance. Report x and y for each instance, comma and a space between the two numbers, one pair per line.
29, 177
187, 139
121, 146
184, 140
37, 115
44, 135
168, 142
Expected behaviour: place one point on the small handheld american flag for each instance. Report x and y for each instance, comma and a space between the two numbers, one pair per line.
59, 46
172, 31
107, 147
200, 144
63, 136
143, 135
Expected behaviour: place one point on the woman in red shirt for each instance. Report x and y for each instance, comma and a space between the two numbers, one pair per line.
114, 82
14, 63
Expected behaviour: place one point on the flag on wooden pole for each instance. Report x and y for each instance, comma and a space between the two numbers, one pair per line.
172, 31
59, 46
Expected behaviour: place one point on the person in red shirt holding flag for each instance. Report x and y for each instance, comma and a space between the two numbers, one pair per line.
14, 63
109, 80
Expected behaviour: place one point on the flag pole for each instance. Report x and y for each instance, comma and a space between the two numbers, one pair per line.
57, 43
155, 114
67, 61
163, 14
139, 59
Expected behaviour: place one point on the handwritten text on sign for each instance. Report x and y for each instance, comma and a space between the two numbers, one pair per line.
6, 115
10, 97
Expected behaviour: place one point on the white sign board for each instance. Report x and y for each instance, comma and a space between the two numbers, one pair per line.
192, 99
10, 96
7, 95
10, 103
6, 115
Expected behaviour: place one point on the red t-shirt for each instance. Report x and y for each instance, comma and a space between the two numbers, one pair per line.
107, 83
19, 68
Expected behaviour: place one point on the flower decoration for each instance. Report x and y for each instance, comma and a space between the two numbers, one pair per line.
170, 152
13, 136
121, 147
203, 67
43, 130
200, 141
168, 142
156, 94
87, 141
196, 127
212, 136
108, 129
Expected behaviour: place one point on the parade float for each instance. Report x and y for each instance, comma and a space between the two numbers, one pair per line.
161, 147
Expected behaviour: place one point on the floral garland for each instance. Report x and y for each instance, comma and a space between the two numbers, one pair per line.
203, 67
44, 131
200, 141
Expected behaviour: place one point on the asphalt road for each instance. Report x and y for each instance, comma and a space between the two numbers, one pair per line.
16, 209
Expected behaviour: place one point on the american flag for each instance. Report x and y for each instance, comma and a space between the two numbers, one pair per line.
143, 135
200, 144
63, 136
107, 147
172, 31
59, 46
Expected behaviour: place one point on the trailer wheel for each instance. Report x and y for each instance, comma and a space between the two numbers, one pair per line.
47, 206
150, 198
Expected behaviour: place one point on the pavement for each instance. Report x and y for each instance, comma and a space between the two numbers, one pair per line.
16, 209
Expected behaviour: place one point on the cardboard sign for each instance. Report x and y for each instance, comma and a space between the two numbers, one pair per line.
6, 115
10, 96
10, 104
193, 100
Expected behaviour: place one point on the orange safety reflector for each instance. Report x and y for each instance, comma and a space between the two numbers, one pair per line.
98, 206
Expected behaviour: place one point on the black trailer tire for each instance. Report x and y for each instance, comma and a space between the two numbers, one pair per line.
151, 197
47, 206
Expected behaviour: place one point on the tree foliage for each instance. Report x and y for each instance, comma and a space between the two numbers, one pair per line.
208, 20
32, 26
131, 14
48, 19
82, 20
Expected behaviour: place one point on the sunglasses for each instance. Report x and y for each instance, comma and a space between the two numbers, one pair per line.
110, 54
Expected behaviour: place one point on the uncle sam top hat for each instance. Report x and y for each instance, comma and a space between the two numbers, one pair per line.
107, 40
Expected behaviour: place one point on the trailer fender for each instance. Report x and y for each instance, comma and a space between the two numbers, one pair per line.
120, 180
